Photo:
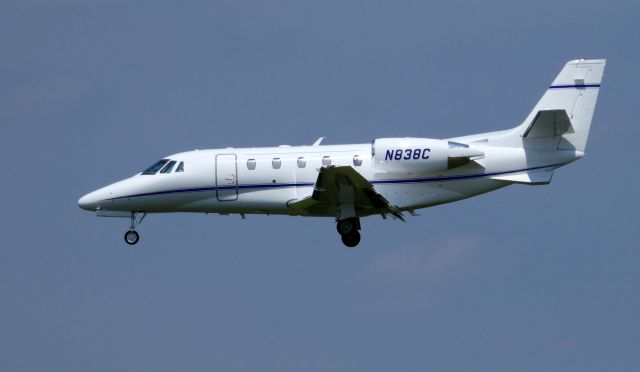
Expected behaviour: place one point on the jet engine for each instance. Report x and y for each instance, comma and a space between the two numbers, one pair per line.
420, 155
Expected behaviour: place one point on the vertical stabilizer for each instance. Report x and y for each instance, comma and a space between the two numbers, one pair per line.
574, 91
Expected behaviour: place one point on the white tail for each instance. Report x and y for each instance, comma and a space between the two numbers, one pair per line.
565, 111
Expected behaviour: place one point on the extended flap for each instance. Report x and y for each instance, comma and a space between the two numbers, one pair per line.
328, 194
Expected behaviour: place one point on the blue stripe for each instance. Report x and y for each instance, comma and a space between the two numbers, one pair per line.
574, 86
214, 188
309, 184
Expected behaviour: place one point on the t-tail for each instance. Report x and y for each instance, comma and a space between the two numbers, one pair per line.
555, 133
562, 118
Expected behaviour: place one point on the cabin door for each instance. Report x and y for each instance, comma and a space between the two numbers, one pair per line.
226, 177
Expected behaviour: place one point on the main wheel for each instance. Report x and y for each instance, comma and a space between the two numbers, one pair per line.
131, 237
346, 227
352, 239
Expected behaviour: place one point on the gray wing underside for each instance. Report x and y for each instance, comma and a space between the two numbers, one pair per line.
340, 188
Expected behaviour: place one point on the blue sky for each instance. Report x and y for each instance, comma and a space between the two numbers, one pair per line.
525, 278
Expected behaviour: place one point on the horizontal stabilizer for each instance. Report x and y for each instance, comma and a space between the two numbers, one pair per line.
549, 123
528, 178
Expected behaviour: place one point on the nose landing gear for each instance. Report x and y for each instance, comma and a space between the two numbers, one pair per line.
348, 230
131, 237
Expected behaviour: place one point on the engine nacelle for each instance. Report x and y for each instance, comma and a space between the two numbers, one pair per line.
420, 155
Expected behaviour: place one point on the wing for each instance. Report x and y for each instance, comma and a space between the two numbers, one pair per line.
342, 191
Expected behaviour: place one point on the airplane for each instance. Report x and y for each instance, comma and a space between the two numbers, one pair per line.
387, 177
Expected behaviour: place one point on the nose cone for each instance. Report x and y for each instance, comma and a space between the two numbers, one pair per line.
89, 202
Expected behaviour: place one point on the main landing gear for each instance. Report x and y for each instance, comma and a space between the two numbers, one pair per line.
131, 237
348, 230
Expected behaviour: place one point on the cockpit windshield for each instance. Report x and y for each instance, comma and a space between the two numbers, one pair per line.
167, 168
156, 167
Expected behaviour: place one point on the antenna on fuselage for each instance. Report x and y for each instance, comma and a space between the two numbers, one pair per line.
318, 141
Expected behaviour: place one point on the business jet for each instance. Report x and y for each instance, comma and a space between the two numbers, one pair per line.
389, 177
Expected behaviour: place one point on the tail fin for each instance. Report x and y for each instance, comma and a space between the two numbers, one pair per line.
566, 108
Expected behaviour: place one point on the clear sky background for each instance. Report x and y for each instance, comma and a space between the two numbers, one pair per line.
522, 279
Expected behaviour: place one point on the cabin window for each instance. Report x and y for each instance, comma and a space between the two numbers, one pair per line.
302, 162
169, 167
180, 167
326, 161
276, 163
357, 160
156, 167
251, 164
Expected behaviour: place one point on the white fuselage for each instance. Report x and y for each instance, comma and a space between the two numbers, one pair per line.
267, 180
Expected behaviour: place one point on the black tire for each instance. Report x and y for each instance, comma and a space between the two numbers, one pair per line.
131, 237
351, 240
346, 227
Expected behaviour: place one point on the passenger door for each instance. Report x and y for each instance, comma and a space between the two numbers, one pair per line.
226, 177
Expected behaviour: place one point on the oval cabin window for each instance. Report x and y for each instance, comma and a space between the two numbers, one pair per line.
302, 162
276, 163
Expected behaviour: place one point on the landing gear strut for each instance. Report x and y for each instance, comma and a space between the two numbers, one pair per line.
131, 237
348, 230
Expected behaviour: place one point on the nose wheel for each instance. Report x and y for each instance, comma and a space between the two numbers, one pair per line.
131, 237
348, 230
